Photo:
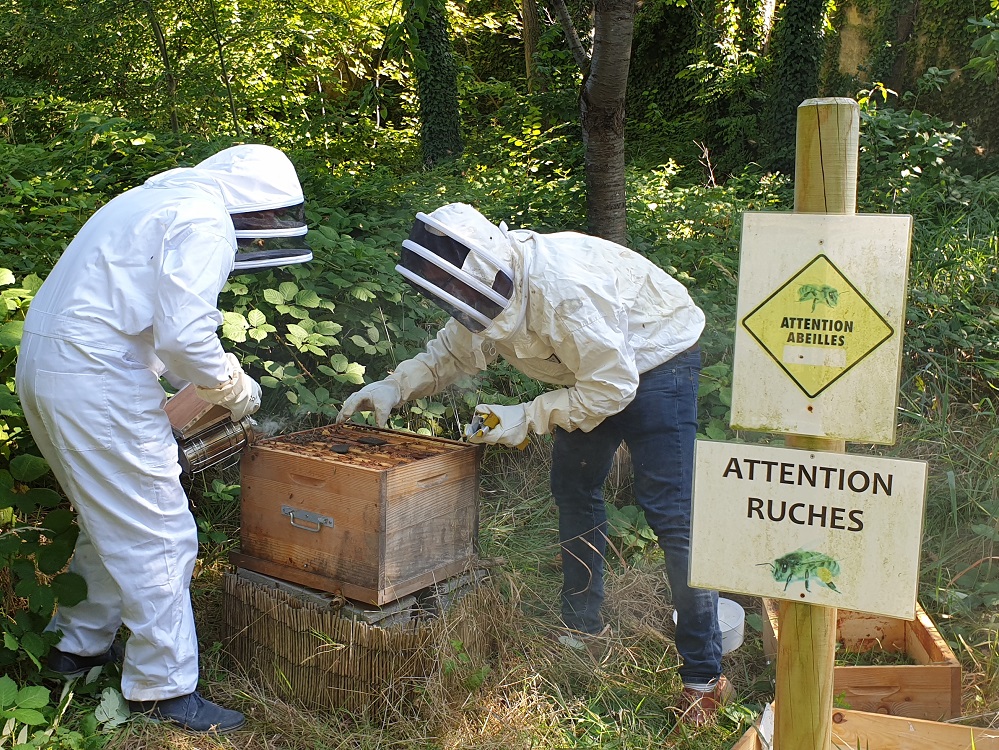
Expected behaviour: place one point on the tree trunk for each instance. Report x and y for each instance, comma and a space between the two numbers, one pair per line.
168, 75
529, 10
755, 20
214, 30
602, 109
793, 77
602, 106
223, 68
571, 36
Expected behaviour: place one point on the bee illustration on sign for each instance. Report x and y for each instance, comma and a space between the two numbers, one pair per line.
805, 565
818, 293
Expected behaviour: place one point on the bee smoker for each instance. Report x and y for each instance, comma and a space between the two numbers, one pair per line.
214, 445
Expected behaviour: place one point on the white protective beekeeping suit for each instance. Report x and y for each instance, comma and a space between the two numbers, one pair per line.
534, 300
133, 297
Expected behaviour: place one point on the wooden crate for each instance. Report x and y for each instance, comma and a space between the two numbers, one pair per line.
853, 729
929, 689
373, 524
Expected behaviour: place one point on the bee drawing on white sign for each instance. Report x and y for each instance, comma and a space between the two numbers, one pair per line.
805, 565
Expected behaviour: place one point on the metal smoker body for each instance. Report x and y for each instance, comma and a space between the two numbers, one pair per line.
215, 445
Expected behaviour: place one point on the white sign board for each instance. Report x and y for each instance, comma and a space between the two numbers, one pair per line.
821, 311
831, 529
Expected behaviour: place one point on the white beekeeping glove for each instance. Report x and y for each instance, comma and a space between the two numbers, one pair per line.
240, 394
381, 397
499, 425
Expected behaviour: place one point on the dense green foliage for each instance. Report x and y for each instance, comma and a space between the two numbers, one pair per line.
213, 67
88, 114
905, 39
943, 38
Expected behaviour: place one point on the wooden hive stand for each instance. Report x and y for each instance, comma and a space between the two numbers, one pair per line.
322, 652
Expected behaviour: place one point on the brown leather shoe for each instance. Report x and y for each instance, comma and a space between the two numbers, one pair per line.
700, 708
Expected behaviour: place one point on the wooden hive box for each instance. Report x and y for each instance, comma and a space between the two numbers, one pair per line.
928, 689
393, 514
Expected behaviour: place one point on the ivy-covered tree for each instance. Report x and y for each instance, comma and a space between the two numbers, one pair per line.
704, 66
796, 48
436, 81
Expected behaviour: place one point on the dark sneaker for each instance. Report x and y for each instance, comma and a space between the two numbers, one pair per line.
700, 708
72, 665
190, 712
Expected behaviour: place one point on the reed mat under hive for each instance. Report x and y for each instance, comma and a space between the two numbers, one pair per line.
308, 653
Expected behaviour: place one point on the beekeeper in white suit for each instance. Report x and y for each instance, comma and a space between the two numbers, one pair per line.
133, 298
619, 336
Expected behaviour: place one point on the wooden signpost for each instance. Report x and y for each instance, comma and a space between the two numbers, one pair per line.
818, 354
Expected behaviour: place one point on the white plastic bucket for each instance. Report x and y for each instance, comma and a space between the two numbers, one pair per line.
732, 621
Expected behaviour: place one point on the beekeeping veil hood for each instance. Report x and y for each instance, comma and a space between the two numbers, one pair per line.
462, 262
263, 196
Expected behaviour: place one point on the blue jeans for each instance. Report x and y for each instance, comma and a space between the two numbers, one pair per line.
659, 427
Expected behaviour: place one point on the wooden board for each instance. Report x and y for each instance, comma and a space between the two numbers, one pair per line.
385, 595
190, 414
400, 513
858, 729
929, 689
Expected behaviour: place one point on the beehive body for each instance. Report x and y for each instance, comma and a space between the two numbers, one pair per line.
373, 524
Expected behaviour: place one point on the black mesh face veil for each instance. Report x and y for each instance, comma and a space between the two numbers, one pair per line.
289, 217
270, 238
443, 246
453, 272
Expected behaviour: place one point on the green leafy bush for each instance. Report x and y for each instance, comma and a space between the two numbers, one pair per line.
37, 533
628, 531
29, 720
907, 165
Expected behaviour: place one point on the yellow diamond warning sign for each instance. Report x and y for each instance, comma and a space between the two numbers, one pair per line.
817, 326
821, 297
